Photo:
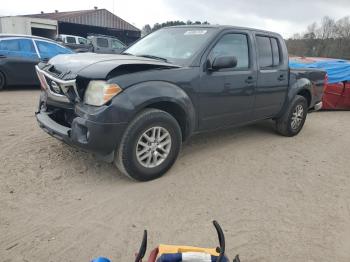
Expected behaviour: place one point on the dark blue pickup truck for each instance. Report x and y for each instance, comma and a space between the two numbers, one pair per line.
136, 109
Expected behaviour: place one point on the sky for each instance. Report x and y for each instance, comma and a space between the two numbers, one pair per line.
283, 16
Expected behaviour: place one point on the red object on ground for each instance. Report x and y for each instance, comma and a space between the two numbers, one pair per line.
336, 96
344, 103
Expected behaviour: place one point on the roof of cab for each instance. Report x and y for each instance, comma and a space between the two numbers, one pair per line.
25, 36
225, 27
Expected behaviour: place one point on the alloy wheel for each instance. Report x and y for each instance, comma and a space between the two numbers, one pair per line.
297, 117
153, 147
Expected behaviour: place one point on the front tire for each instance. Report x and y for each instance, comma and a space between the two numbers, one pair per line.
150, 145
292, 121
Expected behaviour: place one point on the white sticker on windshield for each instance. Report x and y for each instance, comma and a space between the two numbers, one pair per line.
196, 32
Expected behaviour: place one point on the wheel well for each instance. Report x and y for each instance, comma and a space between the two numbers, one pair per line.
305, 93
177, 112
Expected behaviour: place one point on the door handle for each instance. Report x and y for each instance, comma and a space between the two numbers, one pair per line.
281, 78
250, 80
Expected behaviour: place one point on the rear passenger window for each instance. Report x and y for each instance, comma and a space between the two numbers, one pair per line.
102, 42
233, 45
275, 52
268, 51
264, 51
70, 40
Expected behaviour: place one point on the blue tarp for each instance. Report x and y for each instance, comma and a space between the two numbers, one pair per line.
338, 70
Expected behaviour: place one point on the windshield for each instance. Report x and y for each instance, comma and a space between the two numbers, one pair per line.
176, 45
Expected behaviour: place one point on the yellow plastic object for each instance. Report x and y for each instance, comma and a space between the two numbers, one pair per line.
170, 249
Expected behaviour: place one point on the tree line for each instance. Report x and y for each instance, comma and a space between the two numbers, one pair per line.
329, 38
148, 29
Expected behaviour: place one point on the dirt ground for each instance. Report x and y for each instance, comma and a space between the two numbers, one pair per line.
277, 198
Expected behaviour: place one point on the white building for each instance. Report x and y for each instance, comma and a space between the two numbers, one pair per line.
80, 23
28, 26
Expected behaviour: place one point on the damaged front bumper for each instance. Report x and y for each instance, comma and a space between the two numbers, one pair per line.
63, 115
97, 137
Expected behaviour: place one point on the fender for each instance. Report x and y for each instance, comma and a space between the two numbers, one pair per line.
296, 87
123, 107
145, 94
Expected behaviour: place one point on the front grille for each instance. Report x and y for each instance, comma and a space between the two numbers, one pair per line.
54, 86
58, 86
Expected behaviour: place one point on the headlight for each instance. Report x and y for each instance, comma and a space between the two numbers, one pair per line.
99, 92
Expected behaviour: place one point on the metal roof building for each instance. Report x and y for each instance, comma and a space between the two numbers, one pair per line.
95, 21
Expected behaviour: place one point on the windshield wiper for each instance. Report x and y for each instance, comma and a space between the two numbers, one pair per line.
126, 53
154, 57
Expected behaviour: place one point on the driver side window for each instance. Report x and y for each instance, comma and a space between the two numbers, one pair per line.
233, 45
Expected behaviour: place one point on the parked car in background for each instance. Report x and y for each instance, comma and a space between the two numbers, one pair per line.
137, 108
106, 44
20, 53
77, 43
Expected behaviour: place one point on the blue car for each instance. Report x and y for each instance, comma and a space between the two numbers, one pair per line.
20, 53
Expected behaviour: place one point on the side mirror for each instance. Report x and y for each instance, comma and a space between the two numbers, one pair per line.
221, 62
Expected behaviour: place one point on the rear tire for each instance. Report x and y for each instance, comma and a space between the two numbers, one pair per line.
2, 81
293, 119
150, 145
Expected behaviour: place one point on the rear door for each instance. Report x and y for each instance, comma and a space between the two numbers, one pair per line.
18, 58
273, 76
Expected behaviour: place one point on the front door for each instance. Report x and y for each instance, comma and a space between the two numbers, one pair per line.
226, 96
117, 46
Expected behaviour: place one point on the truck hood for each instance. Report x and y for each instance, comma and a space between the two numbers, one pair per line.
99, 66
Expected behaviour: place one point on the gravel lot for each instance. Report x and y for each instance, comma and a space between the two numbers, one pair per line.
278, 199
